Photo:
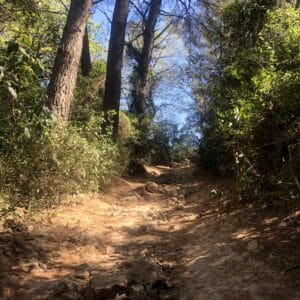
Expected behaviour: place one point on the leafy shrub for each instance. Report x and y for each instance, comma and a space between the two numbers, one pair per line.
48, 161
127, 128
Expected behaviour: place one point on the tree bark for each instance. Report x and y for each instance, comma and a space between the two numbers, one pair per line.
112, 92
139, 92
64, 74
86, 63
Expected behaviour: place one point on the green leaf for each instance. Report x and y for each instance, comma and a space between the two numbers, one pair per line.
27, 40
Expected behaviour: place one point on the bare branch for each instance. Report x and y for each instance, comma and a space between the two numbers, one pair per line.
143, 14
106, 15
64, 5
163, 31
168, 14
97, 2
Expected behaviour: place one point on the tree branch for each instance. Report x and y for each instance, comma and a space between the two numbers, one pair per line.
163, 31
106, 15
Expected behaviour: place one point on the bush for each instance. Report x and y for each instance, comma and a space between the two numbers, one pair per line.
127, 128
48, 161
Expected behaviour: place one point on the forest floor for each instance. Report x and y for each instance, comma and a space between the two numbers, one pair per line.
181, 239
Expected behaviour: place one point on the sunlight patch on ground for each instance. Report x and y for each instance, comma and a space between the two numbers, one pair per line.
153, 170
197, 259
244, 234
269, 221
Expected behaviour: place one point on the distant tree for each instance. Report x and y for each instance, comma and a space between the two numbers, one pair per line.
85, 62
114, 63
143, 58
64, 74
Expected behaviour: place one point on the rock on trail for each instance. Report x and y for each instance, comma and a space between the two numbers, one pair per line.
142, 280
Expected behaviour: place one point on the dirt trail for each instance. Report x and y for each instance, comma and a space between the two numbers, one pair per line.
206, 250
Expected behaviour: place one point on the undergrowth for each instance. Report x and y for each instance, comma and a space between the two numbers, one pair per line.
48, 160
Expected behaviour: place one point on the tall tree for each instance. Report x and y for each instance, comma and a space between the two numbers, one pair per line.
64, 74
139, 90
114, 63
86, 63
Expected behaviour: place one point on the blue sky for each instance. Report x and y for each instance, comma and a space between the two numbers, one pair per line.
172, 93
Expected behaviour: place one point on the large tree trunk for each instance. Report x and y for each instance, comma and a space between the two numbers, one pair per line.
139, 92
86, 63
114, 63
64, 74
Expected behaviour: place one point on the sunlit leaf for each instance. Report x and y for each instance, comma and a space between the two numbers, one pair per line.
13, 92
27, 133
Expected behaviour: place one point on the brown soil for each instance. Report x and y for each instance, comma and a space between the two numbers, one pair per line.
208, 250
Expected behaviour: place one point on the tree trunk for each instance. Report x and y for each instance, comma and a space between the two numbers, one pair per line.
139, 93
85, 63
114, 64
64, 74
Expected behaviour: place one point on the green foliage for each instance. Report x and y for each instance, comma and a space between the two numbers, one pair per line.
18, 77
28, 43
158, 146
249, 124
49, 160
89, 94
41, 160
183, 143
156, 142
127, 132
145, 139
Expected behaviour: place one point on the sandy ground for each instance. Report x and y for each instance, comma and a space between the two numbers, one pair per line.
208, 250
